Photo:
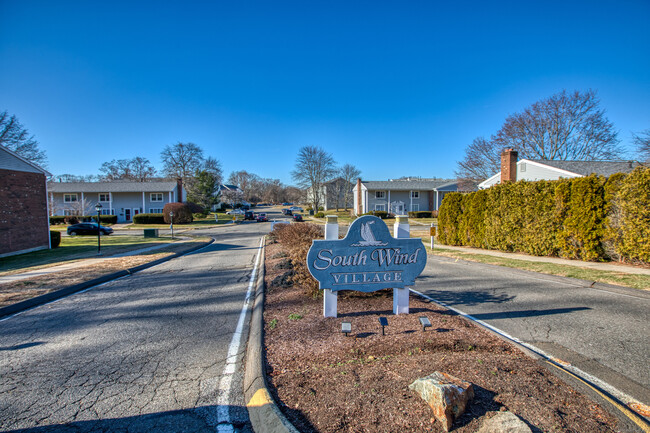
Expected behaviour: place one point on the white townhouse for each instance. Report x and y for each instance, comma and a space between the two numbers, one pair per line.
401, 196
122, 198
513, 170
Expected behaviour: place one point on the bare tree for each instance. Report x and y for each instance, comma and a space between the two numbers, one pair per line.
565, 126
213, 166
16, 138
138, 169
182, 160
313, 167
642, 142
349, 173
245, 181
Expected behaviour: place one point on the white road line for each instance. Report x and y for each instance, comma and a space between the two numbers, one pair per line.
627, 399
223, 401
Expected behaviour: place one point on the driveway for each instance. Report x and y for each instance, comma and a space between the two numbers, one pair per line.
603, 332
149, 352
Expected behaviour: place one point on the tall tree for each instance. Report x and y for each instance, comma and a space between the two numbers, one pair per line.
138, 169
213, 166
182, 160
642, 142
565, 126
203, 190
15, 137
313, 167
349, 174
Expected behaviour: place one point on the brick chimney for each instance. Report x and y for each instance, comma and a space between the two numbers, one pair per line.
179, 189
509, 165
359, 197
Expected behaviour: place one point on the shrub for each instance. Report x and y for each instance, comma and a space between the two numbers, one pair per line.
297, 239
194, 208
320, 215
449, 218
434, 214
150, 218
56, 219
71, 220
182, 213
378, 213
55, 238
104, 219
321, 208
419, 214
633, 200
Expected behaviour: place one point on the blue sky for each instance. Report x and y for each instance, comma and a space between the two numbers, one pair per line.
395, 88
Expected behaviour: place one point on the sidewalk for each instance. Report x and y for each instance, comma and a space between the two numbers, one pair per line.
75, 264
601, 266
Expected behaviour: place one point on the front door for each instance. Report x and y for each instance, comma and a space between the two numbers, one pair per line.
136, 211
127, 214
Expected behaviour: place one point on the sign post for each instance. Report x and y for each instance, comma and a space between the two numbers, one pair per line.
330, 298
366, 260
432, 232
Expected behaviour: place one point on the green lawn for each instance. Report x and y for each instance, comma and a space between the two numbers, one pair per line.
78, 247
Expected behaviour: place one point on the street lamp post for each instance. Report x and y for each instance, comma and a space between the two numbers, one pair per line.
98, 208
171, 220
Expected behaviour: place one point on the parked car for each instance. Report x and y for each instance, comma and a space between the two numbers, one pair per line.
249, 215
235, 212
88, 229
297, 217
287, 212
285, 204
296, 209
261, 218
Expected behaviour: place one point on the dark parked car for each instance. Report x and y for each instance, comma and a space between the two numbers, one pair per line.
286, 211
249, 215
261, 218
297, 217
88, 229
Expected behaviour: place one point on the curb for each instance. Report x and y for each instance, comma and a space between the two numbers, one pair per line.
57, 294
264, 414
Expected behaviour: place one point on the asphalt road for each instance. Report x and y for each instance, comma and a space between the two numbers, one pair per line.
604, 332
143, 353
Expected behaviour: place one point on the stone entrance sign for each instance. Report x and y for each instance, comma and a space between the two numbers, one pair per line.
367, 259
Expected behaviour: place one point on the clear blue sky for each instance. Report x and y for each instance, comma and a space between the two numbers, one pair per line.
395, 88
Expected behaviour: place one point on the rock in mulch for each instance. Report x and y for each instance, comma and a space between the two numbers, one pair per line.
447, 395
504, 422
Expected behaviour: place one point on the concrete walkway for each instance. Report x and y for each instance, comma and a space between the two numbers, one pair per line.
600, 266
74, 265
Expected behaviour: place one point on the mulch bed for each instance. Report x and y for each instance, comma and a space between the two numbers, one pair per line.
324, 381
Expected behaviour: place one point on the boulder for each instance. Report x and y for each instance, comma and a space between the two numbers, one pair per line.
504, 422
447, 396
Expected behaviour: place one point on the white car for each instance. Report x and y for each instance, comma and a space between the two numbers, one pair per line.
235, 212
296, 209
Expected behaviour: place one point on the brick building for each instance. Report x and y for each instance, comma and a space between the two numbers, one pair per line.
24, 220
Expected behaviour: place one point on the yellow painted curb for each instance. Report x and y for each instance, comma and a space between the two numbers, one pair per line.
260, 398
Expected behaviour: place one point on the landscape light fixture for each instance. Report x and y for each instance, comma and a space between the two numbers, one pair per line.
346, 328
98, 208
424, 321
383, 322
171, 222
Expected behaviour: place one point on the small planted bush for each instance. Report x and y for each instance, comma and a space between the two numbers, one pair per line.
320, 215
419, 214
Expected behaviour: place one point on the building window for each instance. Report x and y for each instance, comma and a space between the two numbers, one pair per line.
105, 197
381, 207
380, 194
69, 198
415, 194
522, 167
107, 212
157, 196
155, 210
70, 212
415, 207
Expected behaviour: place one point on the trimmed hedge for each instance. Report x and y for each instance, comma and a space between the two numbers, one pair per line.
55, 238
320, 215
420, 214
585, 218
150, 218
378, 213
56, 220
182, 213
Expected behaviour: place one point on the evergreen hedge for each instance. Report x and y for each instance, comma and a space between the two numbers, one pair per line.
420, 214
150, 218
585, 218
